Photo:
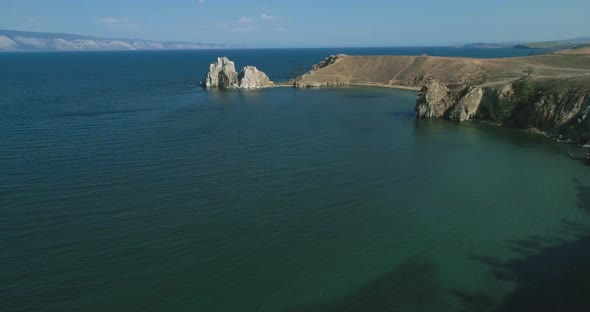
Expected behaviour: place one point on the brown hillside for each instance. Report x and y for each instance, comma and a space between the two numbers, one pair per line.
412, 71
584, 51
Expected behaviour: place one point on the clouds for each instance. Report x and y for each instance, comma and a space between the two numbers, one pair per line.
245, 20
244, 29
247, 24
122, 24
267, 17
261, 18
108, 21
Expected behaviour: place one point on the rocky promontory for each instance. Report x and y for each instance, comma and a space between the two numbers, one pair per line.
546, 93
558, 107
411, 72
327, 61
223, 74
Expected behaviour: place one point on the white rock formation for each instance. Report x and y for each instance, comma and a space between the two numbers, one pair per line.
251, 78
222, 74
467, 105
7, 43
433, 100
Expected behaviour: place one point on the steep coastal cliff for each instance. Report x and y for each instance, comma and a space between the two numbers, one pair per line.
558, 107
555, 100
545, 93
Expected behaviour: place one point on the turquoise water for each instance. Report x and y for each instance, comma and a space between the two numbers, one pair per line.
125, 186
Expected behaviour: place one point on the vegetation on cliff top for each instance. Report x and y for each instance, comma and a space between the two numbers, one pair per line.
413, 71
504, 111
558, 106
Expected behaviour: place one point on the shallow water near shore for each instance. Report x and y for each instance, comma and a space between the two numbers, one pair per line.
124, 187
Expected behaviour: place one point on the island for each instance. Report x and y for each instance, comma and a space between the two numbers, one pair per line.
222, 74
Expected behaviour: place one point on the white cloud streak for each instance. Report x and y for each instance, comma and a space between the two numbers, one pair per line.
267, 17
247, 24
244, 29
245, 20
118, 23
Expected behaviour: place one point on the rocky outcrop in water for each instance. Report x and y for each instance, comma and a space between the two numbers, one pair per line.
222, 74
250, 78
434, 99
560, 108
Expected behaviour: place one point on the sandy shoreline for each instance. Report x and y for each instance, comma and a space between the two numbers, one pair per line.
356, 84
379, 85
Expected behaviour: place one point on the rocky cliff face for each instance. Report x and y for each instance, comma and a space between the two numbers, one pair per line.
467, 105
250, 77
222, 74
434, 99
327, 61
566, 116
302, 82
560, 108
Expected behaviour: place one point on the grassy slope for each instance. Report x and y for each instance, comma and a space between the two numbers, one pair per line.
581, 51
562, 60
412, 70
560, 44
579, 84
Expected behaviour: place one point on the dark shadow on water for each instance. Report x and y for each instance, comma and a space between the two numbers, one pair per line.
550, 274
473, 302
426, 128
580, 154
412, 286
555, 279
583, 196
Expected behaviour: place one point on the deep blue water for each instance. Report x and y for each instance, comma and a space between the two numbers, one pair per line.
125, 186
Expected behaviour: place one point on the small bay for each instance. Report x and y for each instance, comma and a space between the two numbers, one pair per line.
125, 186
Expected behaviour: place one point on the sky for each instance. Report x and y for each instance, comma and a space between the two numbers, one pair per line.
306, 23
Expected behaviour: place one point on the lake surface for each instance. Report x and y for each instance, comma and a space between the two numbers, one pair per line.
124, 186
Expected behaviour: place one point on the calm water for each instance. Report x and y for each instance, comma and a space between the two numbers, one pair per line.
126, 187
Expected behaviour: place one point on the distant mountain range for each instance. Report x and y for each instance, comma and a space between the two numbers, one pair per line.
12, 40
552, 45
